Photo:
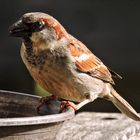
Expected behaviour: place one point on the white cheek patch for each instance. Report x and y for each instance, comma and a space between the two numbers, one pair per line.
41, 35
35, 37
83, 57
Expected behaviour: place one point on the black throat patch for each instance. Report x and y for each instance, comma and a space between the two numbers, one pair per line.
35, 59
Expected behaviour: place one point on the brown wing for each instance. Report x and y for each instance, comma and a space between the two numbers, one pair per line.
87, 62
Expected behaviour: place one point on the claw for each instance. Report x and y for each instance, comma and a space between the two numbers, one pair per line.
45, 100
66, 104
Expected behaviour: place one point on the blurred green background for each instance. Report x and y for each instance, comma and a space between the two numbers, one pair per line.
110, 29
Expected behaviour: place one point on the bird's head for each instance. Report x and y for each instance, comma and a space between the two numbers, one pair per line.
36, 26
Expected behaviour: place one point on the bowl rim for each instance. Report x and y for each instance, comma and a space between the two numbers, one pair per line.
35, 120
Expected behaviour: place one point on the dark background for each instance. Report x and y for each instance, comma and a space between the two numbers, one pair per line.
110, 29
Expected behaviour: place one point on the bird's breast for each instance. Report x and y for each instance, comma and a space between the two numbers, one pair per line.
55, 74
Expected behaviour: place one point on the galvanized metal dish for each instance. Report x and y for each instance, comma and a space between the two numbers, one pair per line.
20, 120
17, 109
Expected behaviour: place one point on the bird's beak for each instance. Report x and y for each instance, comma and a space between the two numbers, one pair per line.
19, 29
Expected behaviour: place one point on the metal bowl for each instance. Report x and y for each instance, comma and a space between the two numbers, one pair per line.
19, 119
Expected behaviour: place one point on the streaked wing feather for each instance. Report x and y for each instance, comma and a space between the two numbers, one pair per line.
114, 74
87, 62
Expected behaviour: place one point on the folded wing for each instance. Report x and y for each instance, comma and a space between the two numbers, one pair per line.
87, 62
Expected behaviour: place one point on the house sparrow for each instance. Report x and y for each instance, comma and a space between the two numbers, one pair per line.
63, 65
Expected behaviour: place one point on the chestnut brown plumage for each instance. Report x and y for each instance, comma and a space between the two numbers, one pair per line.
63, 65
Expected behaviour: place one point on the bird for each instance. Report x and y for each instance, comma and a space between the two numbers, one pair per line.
63, 65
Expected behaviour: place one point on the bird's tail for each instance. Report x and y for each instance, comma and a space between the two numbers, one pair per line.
122, 105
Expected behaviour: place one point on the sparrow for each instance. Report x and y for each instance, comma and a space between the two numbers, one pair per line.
63, 65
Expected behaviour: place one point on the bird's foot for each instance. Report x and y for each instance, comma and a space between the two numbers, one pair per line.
45, 100
66, 104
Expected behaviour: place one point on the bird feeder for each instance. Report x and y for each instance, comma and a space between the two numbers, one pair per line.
20, 120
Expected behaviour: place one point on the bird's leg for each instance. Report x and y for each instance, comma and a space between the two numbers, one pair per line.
44, 100
66, 104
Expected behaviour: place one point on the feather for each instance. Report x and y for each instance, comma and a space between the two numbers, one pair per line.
87, 62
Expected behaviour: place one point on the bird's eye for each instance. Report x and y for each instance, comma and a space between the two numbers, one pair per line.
35, 26
38, 24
